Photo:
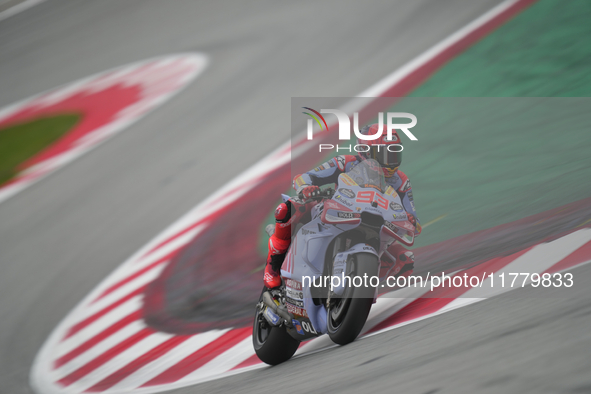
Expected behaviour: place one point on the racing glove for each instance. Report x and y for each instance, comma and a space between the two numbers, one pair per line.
415, 223
419, 228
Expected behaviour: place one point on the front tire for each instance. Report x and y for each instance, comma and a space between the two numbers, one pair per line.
346, 317
273, 345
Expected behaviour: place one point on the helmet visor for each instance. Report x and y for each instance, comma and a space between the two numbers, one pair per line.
387, 158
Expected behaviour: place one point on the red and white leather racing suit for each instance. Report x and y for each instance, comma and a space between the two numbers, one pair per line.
395, 261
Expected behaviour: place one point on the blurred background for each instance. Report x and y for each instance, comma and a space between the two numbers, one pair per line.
225, 109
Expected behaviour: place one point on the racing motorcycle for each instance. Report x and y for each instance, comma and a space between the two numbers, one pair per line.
343, 237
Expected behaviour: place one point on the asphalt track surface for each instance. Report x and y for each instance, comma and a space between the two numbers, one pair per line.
61, 236
527, 340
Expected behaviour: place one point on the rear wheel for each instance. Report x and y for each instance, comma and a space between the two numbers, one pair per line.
273, 345
346, 317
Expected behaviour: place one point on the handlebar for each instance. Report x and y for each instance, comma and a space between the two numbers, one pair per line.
326, 193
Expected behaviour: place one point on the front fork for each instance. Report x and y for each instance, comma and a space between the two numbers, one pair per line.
343, 267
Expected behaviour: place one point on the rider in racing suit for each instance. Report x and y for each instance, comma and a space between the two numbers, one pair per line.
396, 260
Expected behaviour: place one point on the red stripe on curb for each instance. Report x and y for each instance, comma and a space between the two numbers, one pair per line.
98, 338
91, 319
200, 357
106, 356
136, 275
138, 363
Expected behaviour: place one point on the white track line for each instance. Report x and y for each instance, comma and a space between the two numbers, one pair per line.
18, 8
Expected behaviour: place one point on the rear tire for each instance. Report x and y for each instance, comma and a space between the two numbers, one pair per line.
355, 305
273, 345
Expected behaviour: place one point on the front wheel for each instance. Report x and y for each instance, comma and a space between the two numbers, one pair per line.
273, 345
346, 317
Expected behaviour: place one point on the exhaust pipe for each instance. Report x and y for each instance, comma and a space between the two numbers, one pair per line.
280, 310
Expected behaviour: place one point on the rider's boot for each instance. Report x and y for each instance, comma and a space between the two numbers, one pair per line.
278, 245
272, 277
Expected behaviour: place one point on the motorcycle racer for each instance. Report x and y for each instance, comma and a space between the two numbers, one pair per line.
396, 260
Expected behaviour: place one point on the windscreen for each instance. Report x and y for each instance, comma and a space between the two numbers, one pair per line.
369, 174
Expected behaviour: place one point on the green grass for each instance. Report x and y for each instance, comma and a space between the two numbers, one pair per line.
20, 142
542, 52
485, 162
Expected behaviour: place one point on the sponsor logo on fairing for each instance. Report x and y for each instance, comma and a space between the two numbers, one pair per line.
297, 326
296, 310
346, 215
390, 226
340, 199
308, 328
294, 284
294, 302
395, 206
296, 295
347, 193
